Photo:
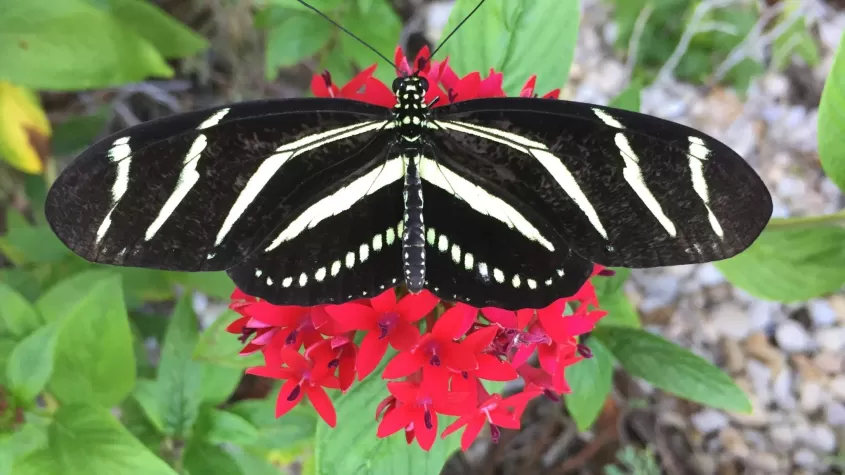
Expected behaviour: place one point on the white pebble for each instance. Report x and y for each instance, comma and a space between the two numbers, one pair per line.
792, 337
812, 397
805, 458
835, 414
822, 313
831, 338
709, 420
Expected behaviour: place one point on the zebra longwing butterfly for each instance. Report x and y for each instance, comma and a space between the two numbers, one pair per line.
502, 202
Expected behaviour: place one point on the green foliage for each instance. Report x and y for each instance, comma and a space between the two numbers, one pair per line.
671, 368
590, 380
832, 120
634, 462
31, 363
294, 34
496, 38
790, 264
77, 44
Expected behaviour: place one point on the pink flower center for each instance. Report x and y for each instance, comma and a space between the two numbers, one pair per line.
387, 322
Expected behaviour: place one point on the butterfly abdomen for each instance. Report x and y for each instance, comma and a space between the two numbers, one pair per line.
413, 235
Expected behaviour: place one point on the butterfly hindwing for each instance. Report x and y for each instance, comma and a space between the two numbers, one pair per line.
200, 191
479, 254
622, 188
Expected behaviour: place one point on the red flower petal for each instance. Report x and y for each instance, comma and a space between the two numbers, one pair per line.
491, 86
354, 316
523, 318
553, 94
322, 404
283, 405
494, 369
528, 88
395, 420
455, 426
370, 354
479, 339
346, 371
276, 315
504, 318
471, 432
384, 302
456, 358
522, 355
404, 391
449, 325
404, 336
268, 372
294, 359
413, 307
467, 87
502, 419
422, 63
401, 365
519, 402
357, 84
379, 94
425, 436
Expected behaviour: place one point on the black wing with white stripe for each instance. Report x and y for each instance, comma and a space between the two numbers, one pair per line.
621, 188
201, 191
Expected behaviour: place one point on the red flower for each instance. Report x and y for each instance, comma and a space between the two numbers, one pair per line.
493, 409
385, 321
306, 376
295, 325
414, 407
247, 327
437, 349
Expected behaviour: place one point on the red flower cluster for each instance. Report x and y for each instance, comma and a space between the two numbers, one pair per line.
440, 370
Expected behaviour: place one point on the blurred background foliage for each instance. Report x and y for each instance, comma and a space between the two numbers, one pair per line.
76, 70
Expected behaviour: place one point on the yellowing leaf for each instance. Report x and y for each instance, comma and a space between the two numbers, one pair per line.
24, 129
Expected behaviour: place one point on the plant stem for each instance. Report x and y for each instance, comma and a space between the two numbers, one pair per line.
835, 219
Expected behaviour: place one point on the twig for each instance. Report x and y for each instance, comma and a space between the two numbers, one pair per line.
693, 28
634, 40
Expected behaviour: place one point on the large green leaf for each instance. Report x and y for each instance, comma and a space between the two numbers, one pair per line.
179, 376
31, 363
832, 120
63, 298
380, 28
224, 427
590, 380
207, 459
613, 300
219, 347
354, 448
671, 368
790, 264
503, 34
171, 38
18, 317
294, 429
213, 284
32, 245
293, 37
71, 45
95, 361
87, 440
19, 444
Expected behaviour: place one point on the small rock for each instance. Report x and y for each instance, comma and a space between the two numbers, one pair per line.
733, 442
734, 356
805, 458
837, 387
757, 345
759, 416
835, 414
821, 312
819, 438
765, 462
782, 389
708, 275
731, 321
838, 303
806, 369
831, 339
755, 439
783, 437
792, 337
811, 397
709, 420
829, 361
762, 314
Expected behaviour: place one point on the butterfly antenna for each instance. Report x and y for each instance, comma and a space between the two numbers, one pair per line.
457, 27
326, 17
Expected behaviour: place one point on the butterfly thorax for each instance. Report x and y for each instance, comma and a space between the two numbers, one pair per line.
410, 119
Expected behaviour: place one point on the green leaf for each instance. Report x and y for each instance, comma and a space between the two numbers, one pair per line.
171, 38
790, 264
18, 317
213, 284
356, 449
95, 361
219, 347
613, 300
77, 133
205, 459
32, 245
229, 428
87, 440
590, 380
295, 428
139, 425
832, 120
71, 45
17, 445
7, 346
146, 396
62, 299
254, 464
218, 383
179, 376
671, 368
297, 36
383, 39
31, 363
503, 34
629, 99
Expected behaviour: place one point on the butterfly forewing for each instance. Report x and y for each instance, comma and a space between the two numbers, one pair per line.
201, 191
473, 256
621, 188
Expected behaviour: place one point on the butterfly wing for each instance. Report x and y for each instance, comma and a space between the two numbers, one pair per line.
620, 188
